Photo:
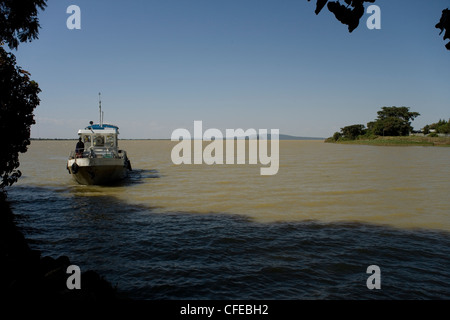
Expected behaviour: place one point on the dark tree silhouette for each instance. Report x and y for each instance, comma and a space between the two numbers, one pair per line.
18, 21
349, 15
444, 24
18, 94
393, 121
18, 98
353, 12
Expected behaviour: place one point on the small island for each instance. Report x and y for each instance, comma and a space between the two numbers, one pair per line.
393, 128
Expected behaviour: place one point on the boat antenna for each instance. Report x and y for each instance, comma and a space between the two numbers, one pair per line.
100, 109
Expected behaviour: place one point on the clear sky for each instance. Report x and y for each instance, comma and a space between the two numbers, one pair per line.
262, 64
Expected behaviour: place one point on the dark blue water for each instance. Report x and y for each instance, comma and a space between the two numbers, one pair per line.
154, 255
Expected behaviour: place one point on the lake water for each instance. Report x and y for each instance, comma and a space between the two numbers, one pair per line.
226, 232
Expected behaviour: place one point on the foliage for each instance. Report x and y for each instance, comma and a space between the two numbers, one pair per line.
18, 94
393, 121
397, 112
337, 136
368, 135
349, 15
441, 126
444, 24
354, 131
18, 98
18, 21
352, 13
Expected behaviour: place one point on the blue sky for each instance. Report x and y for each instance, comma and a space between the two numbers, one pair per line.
262, 64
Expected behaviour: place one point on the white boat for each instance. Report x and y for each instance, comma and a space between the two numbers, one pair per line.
100, 161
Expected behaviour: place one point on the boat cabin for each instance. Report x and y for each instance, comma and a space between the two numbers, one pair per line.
100, 140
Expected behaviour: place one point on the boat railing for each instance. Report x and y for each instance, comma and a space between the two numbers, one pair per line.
93, 152
77, 155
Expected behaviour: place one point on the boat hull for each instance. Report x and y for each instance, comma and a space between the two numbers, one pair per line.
97, 171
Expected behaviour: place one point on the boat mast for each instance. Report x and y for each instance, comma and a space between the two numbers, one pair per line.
100, 109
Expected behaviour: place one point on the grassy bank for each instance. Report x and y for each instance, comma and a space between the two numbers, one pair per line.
398, 141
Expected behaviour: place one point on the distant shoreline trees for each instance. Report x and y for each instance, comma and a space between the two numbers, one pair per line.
441, 126
391, 121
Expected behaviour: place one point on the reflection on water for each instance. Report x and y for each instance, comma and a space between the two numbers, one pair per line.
225, 232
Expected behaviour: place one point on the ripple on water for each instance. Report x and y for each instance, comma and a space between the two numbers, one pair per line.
153, 255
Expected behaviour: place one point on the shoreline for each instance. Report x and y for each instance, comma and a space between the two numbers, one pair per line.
398, 141
26, 274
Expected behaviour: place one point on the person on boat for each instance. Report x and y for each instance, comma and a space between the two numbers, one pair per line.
79, 149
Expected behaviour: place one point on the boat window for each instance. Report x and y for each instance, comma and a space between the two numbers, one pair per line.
99, 141
87, 141
109, 141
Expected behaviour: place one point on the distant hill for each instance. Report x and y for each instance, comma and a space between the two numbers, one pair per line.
283, 137
288, 137
280, 137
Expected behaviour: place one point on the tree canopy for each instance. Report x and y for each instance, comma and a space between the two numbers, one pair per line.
391, 121
353, 131
352, 13
441, 126
18, 93
444, 24
18, 98
18, 21
349, 15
